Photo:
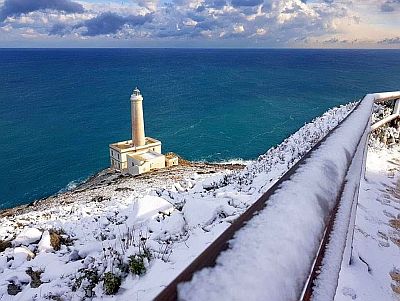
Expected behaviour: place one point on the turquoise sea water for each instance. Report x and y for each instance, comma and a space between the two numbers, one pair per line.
59, 109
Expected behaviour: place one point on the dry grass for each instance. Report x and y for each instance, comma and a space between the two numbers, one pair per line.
395, 223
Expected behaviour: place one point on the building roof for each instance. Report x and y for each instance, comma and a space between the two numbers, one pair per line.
147, 156
127, 145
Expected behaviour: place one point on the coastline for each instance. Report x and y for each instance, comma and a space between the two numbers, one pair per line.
112, 179
177, 211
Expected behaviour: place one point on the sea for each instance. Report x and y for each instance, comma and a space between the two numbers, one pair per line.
61, 108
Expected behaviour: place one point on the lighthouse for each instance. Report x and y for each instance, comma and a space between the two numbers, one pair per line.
140, 154
137, 121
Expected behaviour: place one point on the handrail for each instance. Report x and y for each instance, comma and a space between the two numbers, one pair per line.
382, 122
395, 114
208, 257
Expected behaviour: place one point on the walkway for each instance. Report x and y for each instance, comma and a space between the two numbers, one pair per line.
375, 270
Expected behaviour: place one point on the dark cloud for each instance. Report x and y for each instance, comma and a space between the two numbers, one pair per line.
237, 3
336, 41
390, 41
215, 3
12, 8
207, 25
59, 30
389, 6
105, 23
109, 23
196, 17
200, 9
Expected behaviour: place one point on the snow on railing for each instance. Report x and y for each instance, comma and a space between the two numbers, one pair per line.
277, 241
339, 248
394, 115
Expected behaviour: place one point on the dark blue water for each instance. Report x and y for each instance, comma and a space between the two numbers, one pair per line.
59, 109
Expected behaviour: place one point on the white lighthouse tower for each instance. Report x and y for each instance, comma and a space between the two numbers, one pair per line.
138, 137
140, 154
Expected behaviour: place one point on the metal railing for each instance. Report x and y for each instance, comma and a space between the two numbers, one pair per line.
208, 257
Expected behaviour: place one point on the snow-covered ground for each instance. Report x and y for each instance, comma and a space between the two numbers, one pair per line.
374, 273
127, 239
269, 258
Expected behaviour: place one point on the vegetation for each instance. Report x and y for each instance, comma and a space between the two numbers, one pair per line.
111, 283
87, 280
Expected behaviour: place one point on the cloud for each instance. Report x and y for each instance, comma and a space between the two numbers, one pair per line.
103, 24
110, 23
12, 8
390, 41
59, 29
237, 3
389, 6
250, 22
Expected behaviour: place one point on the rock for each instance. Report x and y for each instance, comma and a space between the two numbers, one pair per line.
395, 223
35, 276
396, 288
4, 244
147, 207
27, 237
395, 275
23, 252
13, 289
45, 243
20, 255
55, 240
74, 256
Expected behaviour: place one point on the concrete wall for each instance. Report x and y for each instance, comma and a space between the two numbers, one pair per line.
118, 160
158, 162
136, 166
171, 161
138, 169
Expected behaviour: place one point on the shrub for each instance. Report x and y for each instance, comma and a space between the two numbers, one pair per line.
88, 279
136, 264
112, 283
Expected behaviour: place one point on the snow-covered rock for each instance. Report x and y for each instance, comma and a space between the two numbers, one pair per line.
147, 207
20, 255
27, 237
45, 243
201, 211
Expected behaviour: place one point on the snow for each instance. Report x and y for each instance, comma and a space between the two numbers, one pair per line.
44, 244
20, 255
326, 282
375, 254
27, 236
177, 213
148, 207
293, 221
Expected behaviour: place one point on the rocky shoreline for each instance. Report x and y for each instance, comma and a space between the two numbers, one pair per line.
105, 183
130, 236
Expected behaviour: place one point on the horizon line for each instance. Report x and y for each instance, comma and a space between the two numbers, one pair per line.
199, 48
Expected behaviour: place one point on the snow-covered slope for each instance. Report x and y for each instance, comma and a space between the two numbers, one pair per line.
130, 244
374, 273
270, 257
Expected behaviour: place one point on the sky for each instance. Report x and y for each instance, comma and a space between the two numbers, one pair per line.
201, 23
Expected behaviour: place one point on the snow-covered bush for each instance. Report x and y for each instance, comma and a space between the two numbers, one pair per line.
387, 134
111, 283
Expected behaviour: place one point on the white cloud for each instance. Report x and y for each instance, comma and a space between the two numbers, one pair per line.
268, 22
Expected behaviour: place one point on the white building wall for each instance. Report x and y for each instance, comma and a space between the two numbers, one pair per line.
158, 162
